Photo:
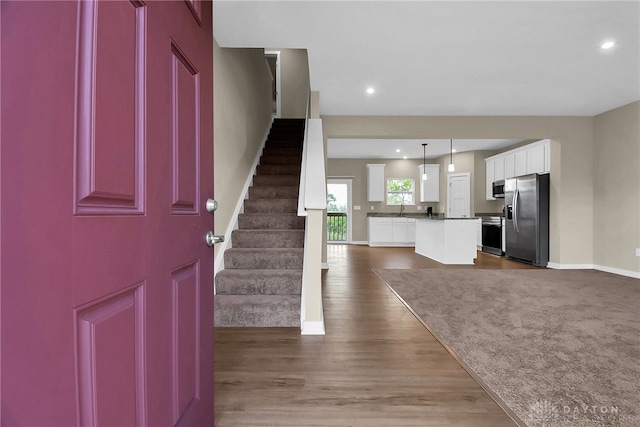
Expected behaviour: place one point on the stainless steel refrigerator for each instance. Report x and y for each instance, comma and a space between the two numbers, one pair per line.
526, 200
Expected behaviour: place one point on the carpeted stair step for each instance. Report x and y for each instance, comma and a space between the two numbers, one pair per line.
263, 258
273, 192
271, 206
259, 282
257, 310
270, 220
288, 180
280, 142
278, 170
267, 238
275, 151
262, 280
280, 160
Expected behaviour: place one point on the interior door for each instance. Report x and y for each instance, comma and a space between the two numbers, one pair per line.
459, 195
107, 157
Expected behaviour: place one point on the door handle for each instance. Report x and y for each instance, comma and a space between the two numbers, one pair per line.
212, 239
211, 205
516, 197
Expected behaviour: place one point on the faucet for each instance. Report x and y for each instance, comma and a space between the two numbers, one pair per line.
401, 209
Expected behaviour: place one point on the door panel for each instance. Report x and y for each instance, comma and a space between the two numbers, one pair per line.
110, 108
459, 196
184, 133
107, 156
105, 398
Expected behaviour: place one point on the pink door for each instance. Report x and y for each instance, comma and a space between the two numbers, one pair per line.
106, 164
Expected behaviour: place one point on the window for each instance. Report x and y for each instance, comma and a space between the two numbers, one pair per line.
399, 191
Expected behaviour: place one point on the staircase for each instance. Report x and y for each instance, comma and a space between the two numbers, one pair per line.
261, 283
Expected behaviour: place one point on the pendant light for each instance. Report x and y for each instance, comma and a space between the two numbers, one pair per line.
424, 162
452, 167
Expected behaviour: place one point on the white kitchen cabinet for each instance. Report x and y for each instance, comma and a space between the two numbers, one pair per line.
411, 231
498, 168
429, 189
479, 234
536, 159
521, 163
490, 177
375, 182
380, 229
531, 158
391, 231
509, 166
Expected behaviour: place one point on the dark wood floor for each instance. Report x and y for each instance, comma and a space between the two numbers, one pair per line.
377, 365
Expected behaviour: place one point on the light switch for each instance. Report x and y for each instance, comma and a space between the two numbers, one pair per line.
356, 208
372, 208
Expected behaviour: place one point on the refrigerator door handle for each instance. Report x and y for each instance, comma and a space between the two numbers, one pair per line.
516, 196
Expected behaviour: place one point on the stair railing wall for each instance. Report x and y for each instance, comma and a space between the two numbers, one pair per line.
312, 202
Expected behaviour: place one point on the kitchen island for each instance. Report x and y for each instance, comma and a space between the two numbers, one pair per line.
447, 240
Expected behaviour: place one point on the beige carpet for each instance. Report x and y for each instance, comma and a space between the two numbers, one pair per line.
559, 348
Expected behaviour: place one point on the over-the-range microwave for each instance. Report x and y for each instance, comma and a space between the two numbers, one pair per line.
498, 189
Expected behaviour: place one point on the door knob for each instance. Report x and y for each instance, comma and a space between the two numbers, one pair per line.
211, 205
212, 239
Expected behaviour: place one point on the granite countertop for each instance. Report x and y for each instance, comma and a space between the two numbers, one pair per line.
397, 215
441, 218
500, 214
412, 215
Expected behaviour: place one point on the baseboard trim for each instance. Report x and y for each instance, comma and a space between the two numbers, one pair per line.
618, 271
312, 327
557, 266
233, 224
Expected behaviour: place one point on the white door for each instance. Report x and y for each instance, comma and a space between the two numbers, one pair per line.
459, 195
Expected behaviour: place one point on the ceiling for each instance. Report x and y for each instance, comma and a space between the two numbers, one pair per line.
411, 148
451, 57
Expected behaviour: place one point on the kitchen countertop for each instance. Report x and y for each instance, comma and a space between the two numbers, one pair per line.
412, 215
442, 218
500, 214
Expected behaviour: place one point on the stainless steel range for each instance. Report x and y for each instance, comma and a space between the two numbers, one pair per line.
492, 235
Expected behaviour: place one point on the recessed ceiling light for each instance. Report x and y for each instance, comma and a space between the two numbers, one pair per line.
370, 90
405, 157
454, 150
397, 150
607, 45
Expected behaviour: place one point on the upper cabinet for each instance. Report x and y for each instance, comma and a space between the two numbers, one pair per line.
531, 158
375, 182
429, 188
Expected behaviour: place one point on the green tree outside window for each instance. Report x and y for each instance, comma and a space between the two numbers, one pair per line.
399, 191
